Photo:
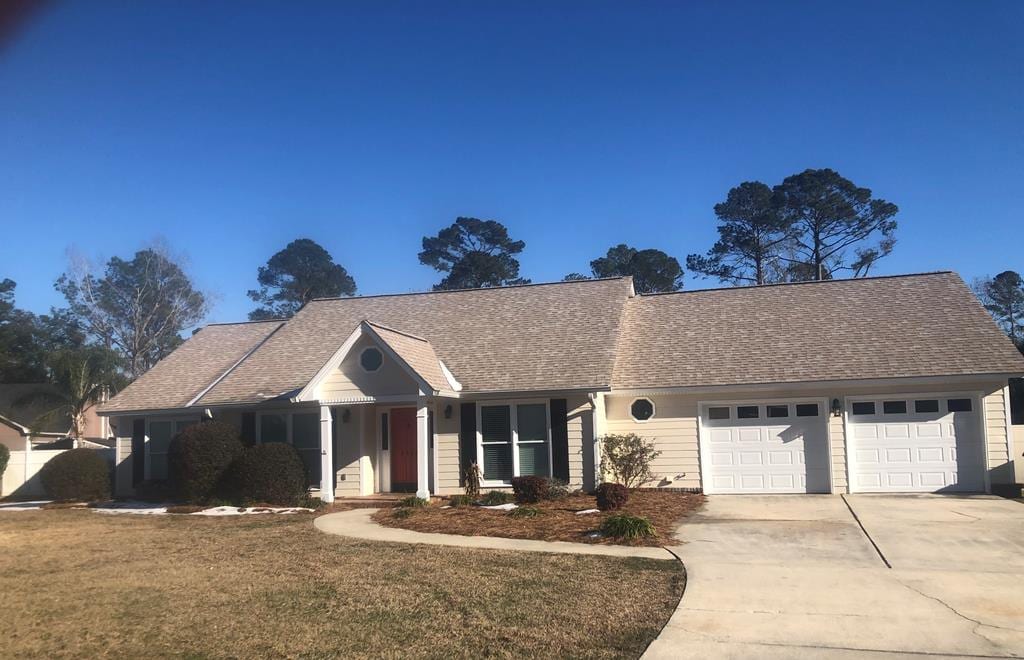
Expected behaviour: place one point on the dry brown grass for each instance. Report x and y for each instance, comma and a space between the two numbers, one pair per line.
78, 583
559, 521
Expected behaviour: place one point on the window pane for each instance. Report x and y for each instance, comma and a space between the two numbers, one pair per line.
384, 432
306, 430
746, 412
532, 420
158, 466
160, 434
371, 359
959, 405
642, 409
718, 413
778, 411
864, 408
533, 459
495, 424
807, 410
894, 407
498, 462
273, 428
496, 433
926, 406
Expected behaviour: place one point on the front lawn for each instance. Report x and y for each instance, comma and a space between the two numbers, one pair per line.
77, 583
558, 520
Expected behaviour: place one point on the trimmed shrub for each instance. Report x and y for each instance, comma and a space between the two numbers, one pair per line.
526, 512
625, 526
496, 497
627, 459
456, 501
5, 456
413, 502
557, 489
198, 459
530, 490
78, 475
611, 496
269, 473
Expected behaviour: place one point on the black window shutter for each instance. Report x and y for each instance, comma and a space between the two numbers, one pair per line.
249, 429
138, 451
467, 439
560, 439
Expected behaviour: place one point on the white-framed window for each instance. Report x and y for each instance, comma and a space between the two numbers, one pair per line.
159, 433
371, 359
513, 440
641, 409
299, 429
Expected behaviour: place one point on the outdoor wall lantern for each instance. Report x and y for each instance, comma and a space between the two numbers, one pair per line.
837, 408
346, 415
448, 411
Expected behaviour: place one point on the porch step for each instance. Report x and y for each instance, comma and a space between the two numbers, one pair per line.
378, 501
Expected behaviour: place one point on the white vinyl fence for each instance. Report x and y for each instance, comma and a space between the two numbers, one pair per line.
21, 478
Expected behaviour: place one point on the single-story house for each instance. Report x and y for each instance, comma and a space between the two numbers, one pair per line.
24, 422
883, 384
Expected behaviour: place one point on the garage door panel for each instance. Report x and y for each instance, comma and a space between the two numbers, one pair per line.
916, 452
767, 455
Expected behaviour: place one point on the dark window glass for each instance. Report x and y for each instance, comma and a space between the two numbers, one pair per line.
642, 409
894, 407
806, 410
371, 359
718, 413
926, 406
864, 408
778, 411
746, 412
959, 405
496, 437
384, 432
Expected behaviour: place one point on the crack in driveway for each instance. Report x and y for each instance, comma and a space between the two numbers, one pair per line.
977, 623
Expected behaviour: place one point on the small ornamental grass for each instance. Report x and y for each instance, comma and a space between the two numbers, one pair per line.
526, 512
403, 512
625, 526
413, 502
496, 497
456, 501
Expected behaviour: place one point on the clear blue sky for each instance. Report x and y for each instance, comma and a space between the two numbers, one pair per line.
229, 129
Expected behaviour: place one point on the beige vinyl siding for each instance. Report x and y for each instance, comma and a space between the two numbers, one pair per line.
995, 428
1018, 453
446, 439
123, 458
673, 430
349, 450
350, 381
837, 445
579, 425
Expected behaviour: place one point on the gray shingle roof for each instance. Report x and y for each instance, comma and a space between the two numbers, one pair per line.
885, 327
594, 335
192, 367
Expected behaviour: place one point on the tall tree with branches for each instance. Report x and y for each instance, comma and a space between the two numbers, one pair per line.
838, 226
751, 235
303, 270
475, 253
137, 307
1003, 297
653, 271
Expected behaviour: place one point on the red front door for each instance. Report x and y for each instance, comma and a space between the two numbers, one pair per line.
403, 449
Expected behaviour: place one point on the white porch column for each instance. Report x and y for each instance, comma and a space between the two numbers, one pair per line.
326, 455
422, 450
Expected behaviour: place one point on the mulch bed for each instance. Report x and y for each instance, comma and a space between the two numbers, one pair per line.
558, 523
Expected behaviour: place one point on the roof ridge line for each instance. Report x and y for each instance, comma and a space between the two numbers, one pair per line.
396, 330
206, 390
805, 282
473, 289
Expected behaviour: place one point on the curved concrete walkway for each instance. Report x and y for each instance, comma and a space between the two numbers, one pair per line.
358, 524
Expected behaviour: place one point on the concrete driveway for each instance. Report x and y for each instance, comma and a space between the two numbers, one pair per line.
797, 576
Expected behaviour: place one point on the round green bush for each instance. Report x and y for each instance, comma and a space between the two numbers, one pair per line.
198, 459
5, 455
80, 475
611, 496
270, 473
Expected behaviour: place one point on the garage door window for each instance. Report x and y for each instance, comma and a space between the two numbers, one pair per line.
806, 410
747, 412
864, 408
718, 413
894, 407
926, 406
959, 405
778, 411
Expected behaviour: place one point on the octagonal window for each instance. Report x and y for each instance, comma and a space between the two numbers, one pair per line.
371, 359
642, 409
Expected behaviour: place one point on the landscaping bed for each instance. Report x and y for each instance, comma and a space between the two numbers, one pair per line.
558, 520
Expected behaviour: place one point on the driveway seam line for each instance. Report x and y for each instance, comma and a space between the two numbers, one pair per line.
866, 535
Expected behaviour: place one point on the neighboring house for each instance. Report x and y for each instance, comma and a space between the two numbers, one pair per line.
879, 384
23, 417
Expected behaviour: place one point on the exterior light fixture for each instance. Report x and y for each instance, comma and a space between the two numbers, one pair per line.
448, 411
837, 408
346, 415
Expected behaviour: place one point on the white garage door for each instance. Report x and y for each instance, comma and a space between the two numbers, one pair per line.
772, 447
916, 444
